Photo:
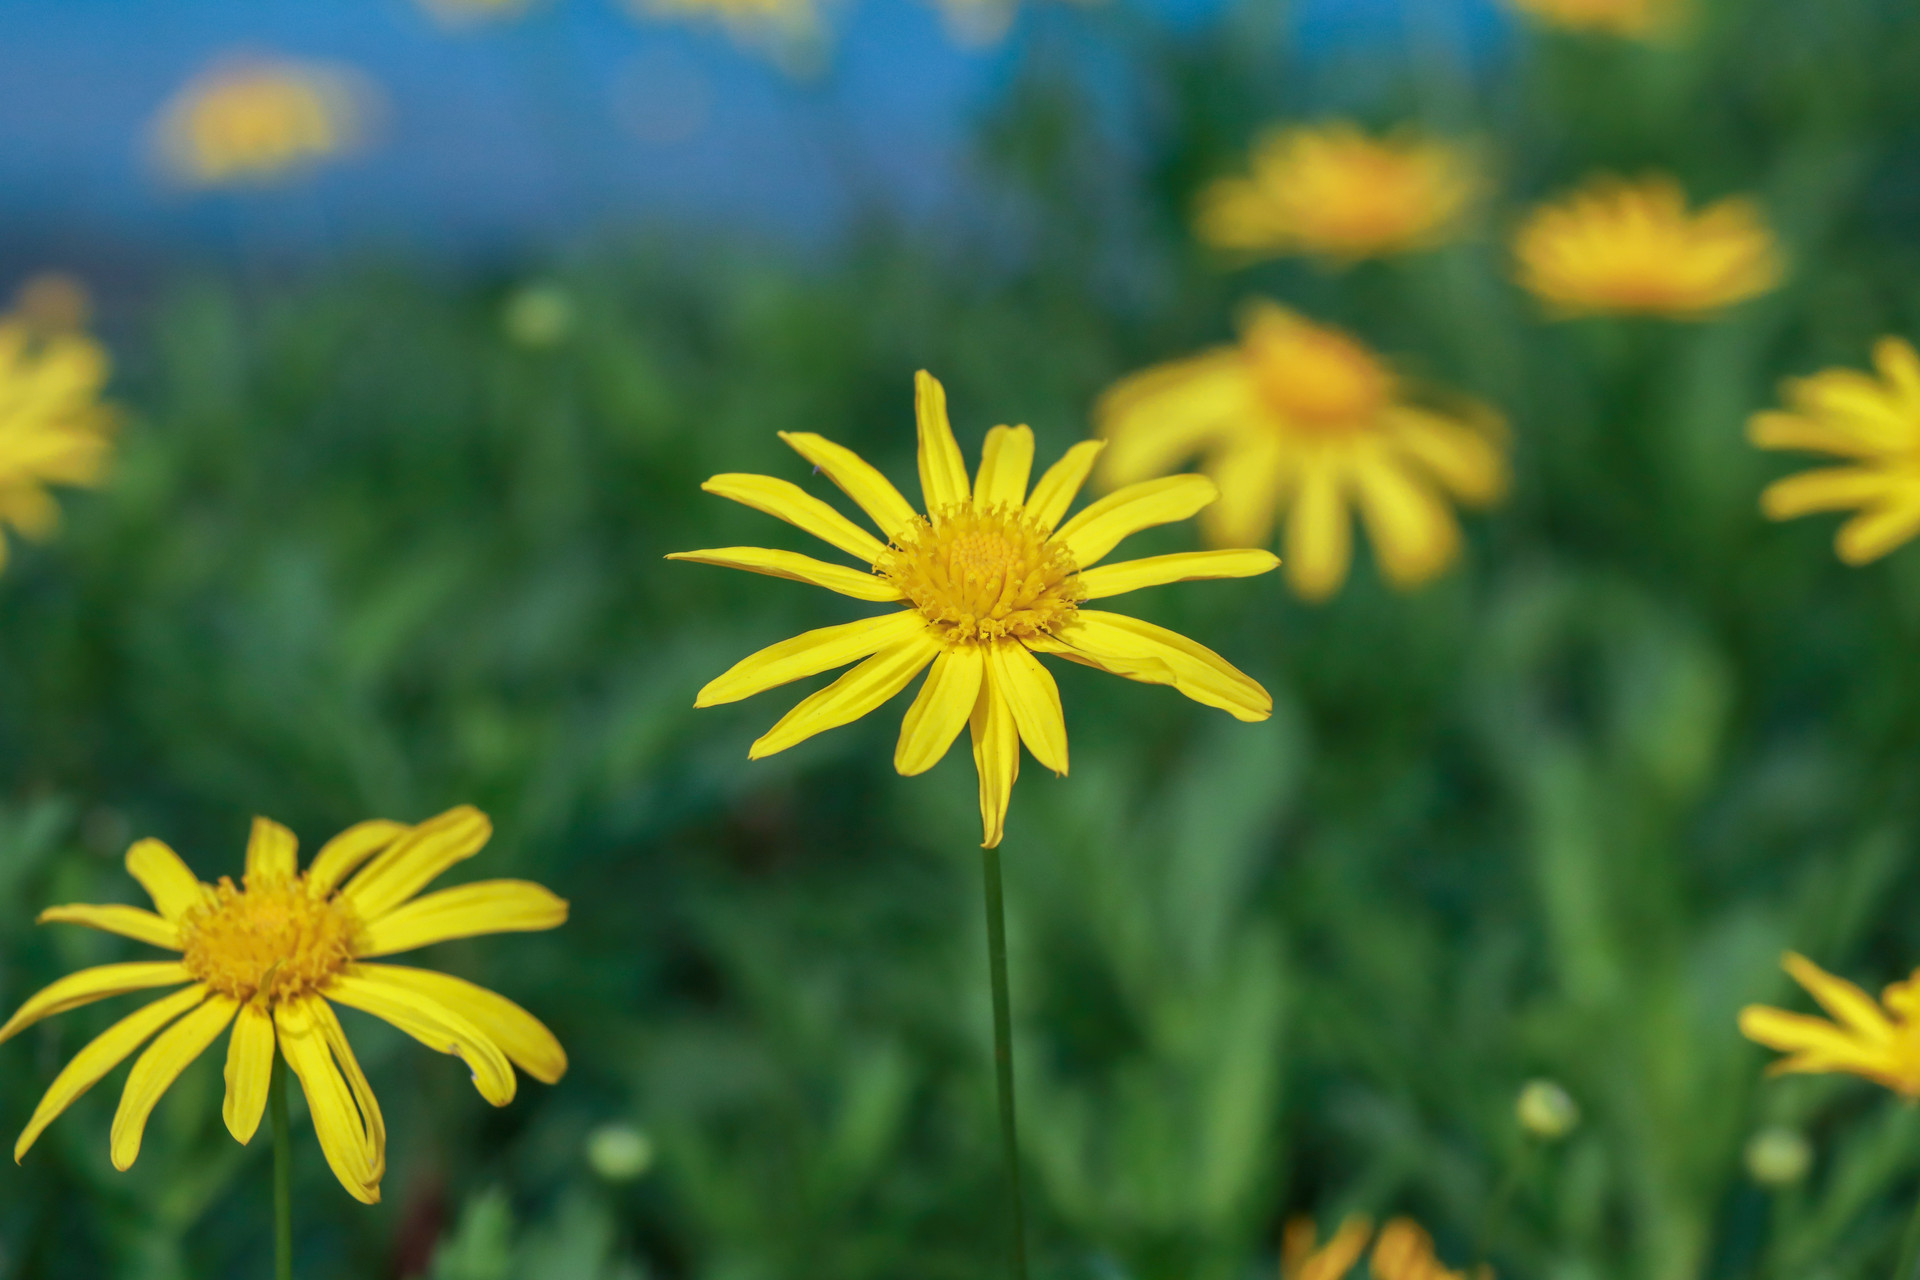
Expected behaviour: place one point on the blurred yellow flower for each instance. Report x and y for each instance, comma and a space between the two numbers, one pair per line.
1872, 423
789, 24
1403, 1251
1864, 1039
53, 427
1616, 247
267, 957
1302, 418
985, 580
1333, 191
1637, 18
257, 121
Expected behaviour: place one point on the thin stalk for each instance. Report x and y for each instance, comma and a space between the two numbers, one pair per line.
1495, 1216
1003, 1057
1908, 1266
282, 1173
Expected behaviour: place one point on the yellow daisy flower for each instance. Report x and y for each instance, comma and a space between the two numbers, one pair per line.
258, 121
1872, 423
53, 427
1302, 418
1333, 191
271, 957
1403, 1251
1633, 18
1865, 1039
791, 24
985, 580
1624, 248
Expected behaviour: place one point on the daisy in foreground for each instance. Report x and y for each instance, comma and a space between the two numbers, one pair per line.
1616, 247
1865, 1038
270, 957
1403, 1251
1302, 419
1874, 425
986, 579
53, 427
1333, 191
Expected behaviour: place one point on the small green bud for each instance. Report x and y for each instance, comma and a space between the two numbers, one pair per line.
1778, 1156
1546, 1111
619, 1152
538, 315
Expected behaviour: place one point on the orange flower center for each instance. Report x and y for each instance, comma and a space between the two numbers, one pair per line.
273, 941
1316, 379
984, 575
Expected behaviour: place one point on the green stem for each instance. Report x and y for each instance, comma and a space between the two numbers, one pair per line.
1003, 1056
1495, 1216
1908, 1265
282, 1173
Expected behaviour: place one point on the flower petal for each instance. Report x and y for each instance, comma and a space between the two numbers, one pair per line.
432, 1024
1058, 486
486, 906
996, 758
787, 501
1154, 655
272, 853
129, 922
1005, 463
346, 1138
1826, 489
871, 491
808, 654
1414, 533
156, 1070
102, 1054
941, 710
173, 888
416, 860
1184, 566
861, 584
943, 472
374, 1124
1847, 1003
1872, 534
1099, 529
521, 1036
1463, 459
1817, 1045
1253, 472
1033, 697
341, 856
852, 695
249, 1071
1319, 532
1157, 419
88, 985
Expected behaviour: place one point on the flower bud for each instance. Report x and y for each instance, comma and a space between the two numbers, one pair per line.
1546, 1111
1778, 1156
538, 315
619, 1152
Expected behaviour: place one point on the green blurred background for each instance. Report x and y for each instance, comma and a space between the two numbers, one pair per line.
376, 546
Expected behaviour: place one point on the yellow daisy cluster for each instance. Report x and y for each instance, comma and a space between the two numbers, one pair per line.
1638, 19
259, 121
54, 429
1878, 1041
1403, 1250
270, 957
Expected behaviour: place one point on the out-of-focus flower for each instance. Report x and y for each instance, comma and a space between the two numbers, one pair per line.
1872, 423
1403, 1251
791, 29
469, 12
619, 1152
1635, 18
1333, 191
270, 957
983, 581
1778, 1157
53, 427
1302, 419
254, 121
1864, 1039
1546, 1110
1616, 247
538, 315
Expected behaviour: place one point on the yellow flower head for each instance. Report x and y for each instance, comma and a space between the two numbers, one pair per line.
1333, 191
271, 956
1632, 248
1871, 423
1864, 1039
1303, 419
53, 427
260, 121
1403, 1251
1635, 18
787, 24
986, 578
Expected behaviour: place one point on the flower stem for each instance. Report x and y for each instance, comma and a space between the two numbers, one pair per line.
1908, 1264
1003, 1056
282, 1173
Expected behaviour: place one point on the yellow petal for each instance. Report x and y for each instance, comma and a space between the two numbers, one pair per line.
1825, 489
1154, 655
1319, 534
1414, 533
808, 654
1157, 419
1773, 429
1184, 566
788, 501
1005, 463
341, 856
373, 1123
1817, 1044
943, 473
128, 922
861, 584
871, 491
521, 1036
1469, 464
1252, 473
1099, 529
346, 1138
996, 758
432, 1024
272, 853
249, 1071
156, 1070
487, 906
88, 985
1846, 1002
1333, 1260
1872, 534
1058, 486
1030, 693
102, 1054
416, 860
173, 888
852, 695
941, 710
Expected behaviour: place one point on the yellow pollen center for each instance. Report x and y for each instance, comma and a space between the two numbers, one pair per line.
1318, 379
271, 940
984, 575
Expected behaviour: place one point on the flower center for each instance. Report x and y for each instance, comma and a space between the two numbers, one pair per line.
1317, 379
273, 940
984, 575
